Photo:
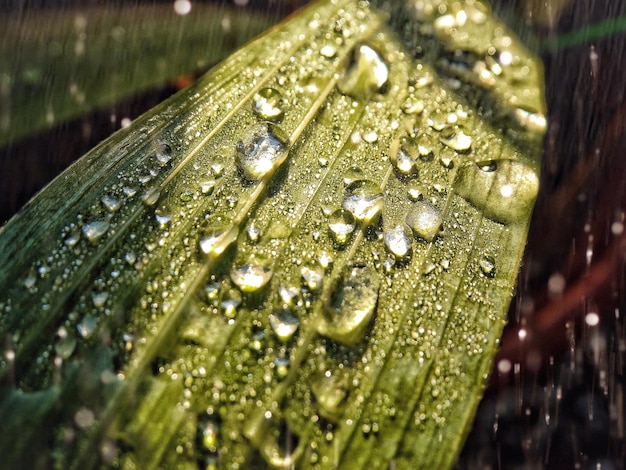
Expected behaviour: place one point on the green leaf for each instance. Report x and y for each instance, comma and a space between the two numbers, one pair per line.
304, 259
58, 63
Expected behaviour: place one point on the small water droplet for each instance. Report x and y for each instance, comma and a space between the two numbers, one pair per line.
487, 266
438, 120
351, 305
162, 219
268, 104
95, 230
447, 162
457, 140
399, 241
370, 136
151, 197
215, 240
415, 192
404, 159
30, 280
72, 239
312, 278
288, 295
99, 298
130, 257
505, 194
87, 326
284, 323
251, 277
110, 203
425, 220
366, 75
281, 366
413, 105
261, 154
212, 290
217, 169
364, 199
425, 147
341, 224
254, 233
230, 303
329, 51
207, 187
325, 260
352, 174
128, 191
208, 432
330, 394
65, 346
163, 153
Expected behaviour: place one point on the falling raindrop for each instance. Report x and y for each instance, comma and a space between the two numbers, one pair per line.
268, 104
364, 199
398, 241
284, 323
251, 277
425, 220
341, 224
350, 305
95, 230
366, 74
261, 154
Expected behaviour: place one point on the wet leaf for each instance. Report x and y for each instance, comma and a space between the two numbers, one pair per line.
313, 307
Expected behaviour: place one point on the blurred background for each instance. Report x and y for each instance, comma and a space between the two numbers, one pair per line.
72, 72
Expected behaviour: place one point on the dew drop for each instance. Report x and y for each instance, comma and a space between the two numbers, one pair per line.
438, 120
65, 346
215, 240
364, 199
312, 278
288, 295
95, 230
403, 160
207, 187
366, 74
151, 197
163, 154
329, 51
341, 224
352, 174
251, 277
330, 395
99, 298
268, 104
72, 239
110, 203
284, 323
261, 154
425, 220
425, 147
162, 219
208, 432
350, 306
87, 326
254, 233
415, 192
412, 105
398, 241
487, 266
457, 140
230, 303
504, 191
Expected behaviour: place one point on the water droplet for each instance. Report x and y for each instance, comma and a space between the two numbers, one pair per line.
370, 136
284, 323
207, 187
325, 260
488, 266
217, 169
151, 197
110, 203
367, 74
352, 174
261, 154
399, 241
128, 191
330, 394
94, 230
87, 326
415, 192
72, 239
254, 233
505, 194
281, 366
532, 121
329, 51
438, 120
130, 257
350, 306
215, 240
425, 220
212, 291
162, 219
230, 303
312, 278
251, 277
163, 153
208, 431
447, 162
413, 105
425, 147
30, 280
403, 159
457, 140
341, 224
268, 103
99, 298
288, 295
364, 199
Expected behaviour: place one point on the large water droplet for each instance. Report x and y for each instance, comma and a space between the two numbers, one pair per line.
425, 220
284, 323
364, 199
399, 241
312, 278
367, 74
215, 240
341, 224
268, 104
261, 154
87, 326
457, 140
403, 159
504, 190
94, 230
350, 306
330, 394
110, 203
251, 277
163, 154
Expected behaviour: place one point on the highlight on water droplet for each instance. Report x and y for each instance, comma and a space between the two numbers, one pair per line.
504, 190
268, 103
261, 153
341, 224
95, 230
367, 74
284, 323
364, 199
350, 305
251, 277
424, 220
214, 241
